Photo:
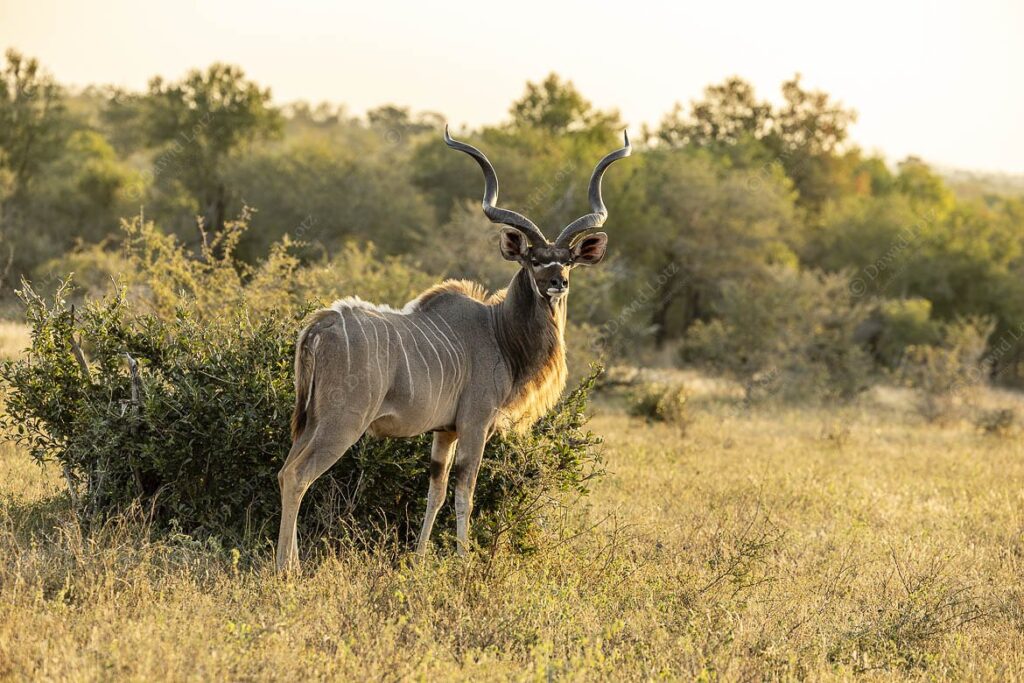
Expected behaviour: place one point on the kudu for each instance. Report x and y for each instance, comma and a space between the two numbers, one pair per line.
452, 361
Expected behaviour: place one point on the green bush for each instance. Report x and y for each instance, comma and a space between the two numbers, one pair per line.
904, 323
1002, 422
948, 373
658, 402
200, 435
792, 335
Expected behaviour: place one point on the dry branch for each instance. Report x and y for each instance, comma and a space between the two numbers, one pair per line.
133, 368
76, 348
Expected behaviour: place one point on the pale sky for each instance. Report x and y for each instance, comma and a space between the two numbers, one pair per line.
941, 79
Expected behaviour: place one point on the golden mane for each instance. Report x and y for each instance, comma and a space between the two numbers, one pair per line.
467, 288
537, 392
536, 396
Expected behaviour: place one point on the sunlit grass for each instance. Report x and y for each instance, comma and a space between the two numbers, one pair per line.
13, 338
768, 542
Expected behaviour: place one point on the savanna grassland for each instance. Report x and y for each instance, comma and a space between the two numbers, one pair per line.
821, 481
754, 542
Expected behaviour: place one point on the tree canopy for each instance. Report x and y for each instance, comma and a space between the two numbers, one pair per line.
730, 193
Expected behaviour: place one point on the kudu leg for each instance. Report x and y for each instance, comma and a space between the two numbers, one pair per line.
307, 460
440, 464
467, 465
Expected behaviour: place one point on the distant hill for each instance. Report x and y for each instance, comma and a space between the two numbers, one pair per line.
970, 184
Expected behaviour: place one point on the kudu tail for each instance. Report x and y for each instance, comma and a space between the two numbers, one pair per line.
305, 362
305, 373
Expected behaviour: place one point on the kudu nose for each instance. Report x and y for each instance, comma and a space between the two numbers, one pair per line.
558, 282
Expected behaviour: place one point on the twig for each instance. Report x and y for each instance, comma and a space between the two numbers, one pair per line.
96, 487
133, 367
350, 504
71, 487
218, 379
76, 348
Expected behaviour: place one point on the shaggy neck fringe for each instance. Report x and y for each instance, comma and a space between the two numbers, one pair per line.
530, 333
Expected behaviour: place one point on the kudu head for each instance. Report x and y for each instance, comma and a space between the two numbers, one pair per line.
547, 263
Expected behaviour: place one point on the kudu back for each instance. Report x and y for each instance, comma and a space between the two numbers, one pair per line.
453, 361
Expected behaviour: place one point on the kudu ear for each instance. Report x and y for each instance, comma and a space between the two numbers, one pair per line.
513, 244
590, 250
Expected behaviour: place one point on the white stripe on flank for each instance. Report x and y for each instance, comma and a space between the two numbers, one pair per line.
312, 368
366, 338
454, 336
436, 353
348, 352
447, 343
426, 365
408, 368
387, 343
376, 350
433, 330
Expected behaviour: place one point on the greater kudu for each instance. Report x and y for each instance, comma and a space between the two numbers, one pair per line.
452, 361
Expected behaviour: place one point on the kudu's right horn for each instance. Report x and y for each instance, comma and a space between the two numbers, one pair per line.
599, 212
493, 212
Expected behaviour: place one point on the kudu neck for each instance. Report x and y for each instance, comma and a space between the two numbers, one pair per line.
529, 328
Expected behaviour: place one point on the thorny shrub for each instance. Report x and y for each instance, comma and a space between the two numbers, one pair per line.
199, 434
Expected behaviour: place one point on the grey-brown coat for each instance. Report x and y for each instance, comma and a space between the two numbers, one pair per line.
453, 361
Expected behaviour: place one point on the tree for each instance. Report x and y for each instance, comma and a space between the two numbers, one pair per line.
873, 177
924, 188
687, 223
82, 197
325, 193
557, 107
77, 198
397, 123
794, 333
964, 260
810, 121
32, 121
729, 118
34, 129
878, 238
197, 123
807, 135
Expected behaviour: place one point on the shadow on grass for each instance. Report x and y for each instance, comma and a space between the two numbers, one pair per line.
28, 519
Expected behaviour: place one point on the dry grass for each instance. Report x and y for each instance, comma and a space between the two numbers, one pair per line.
822, 544
13, 338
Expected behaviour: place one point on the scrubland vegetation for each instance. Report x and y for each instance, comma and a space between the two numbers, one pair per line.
731, 206
804, 460
769, 541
